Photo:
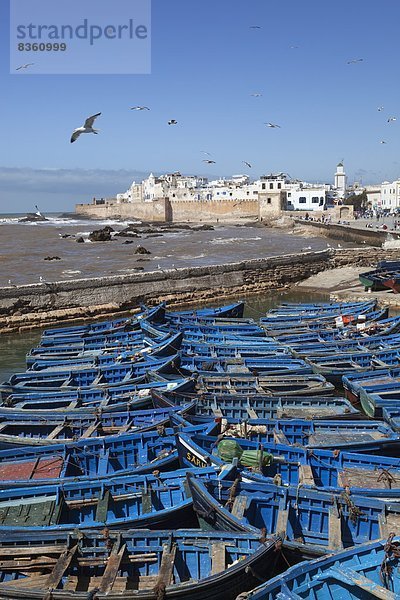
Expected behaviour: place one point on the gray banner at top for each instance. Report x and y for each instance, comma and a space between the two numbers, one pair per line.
80, 37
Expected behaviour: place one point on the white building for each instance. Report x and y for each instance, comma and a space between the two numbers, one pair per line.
390, 195
306, 197
340, 181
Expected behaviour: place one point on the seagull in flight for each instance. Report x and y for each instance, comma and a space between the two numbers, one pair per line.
140, 108
380, 108
25, 66
246, 163
86, 128
204, 152
208, 161
390, 119
172, 122
254, 27
256, 95
354, 61
272, 125
383, 142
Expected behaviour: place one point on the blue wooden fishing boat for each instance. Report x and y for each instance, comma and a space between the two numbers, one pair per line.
89, 459
213, 327
366, 572
335, 366
146, 565
18, 429
365, 344
391, 415
92, 399
326, 470
275, 365
96, 343
230, 311
370, 328
154, 315
91, 343
293, 314
167, 347
257, 406
302, 516
105, 376
154, 501
375, 279
233, 350
361, 436
352, 382
300, 306
276, 385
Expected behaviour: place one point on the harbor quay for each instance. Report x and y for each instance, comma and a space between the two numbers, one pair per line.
41, 304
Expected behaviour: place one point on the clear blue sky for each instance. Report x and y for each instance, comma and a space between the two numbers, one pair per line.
206, 63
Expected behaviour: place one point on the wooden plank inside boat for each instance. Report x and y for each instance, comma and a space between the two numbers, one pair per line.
239, 506
363, 583
280, 437
218, 557
252, 413
60, 567
165, 573
306, 476
367, 478
103, 506
335, 529
389, 524
112, 567
43, 468
147, 505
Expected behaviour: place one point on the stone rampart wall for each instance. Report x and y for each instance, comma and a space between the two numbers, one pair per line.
44, 304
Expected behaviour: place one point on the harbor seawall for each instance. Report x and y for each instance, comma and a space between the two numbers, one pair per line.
347, 233
44, 304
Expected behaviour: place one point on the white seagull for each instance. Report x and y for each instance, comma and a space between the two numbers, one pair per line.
390, 119
87, 128
208, 161
25, 66
380, 108
256, 95
140, 108
354, 61
204, 152
383, 142
246, 163
272, 125
172, 122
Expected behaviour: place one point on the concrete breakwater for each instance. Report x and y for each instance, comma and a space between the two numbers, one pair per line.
41, 305
347, 233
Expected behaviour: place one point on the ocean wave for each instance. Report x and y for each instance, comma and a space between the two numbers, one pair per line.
58, 221
233, 239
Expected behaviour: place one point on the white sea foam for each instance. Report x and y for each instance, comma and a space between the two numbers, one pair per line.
231, 240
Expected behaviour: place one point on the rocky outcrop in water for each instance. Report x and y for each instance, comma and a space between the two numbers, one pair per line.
101, 235
142, 250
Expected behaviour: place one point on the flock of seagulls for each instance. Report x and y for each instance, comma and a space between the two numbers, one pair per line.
87, 127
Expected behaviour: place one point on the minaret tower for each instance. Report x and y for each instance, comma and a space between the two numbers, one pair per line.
340, 180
